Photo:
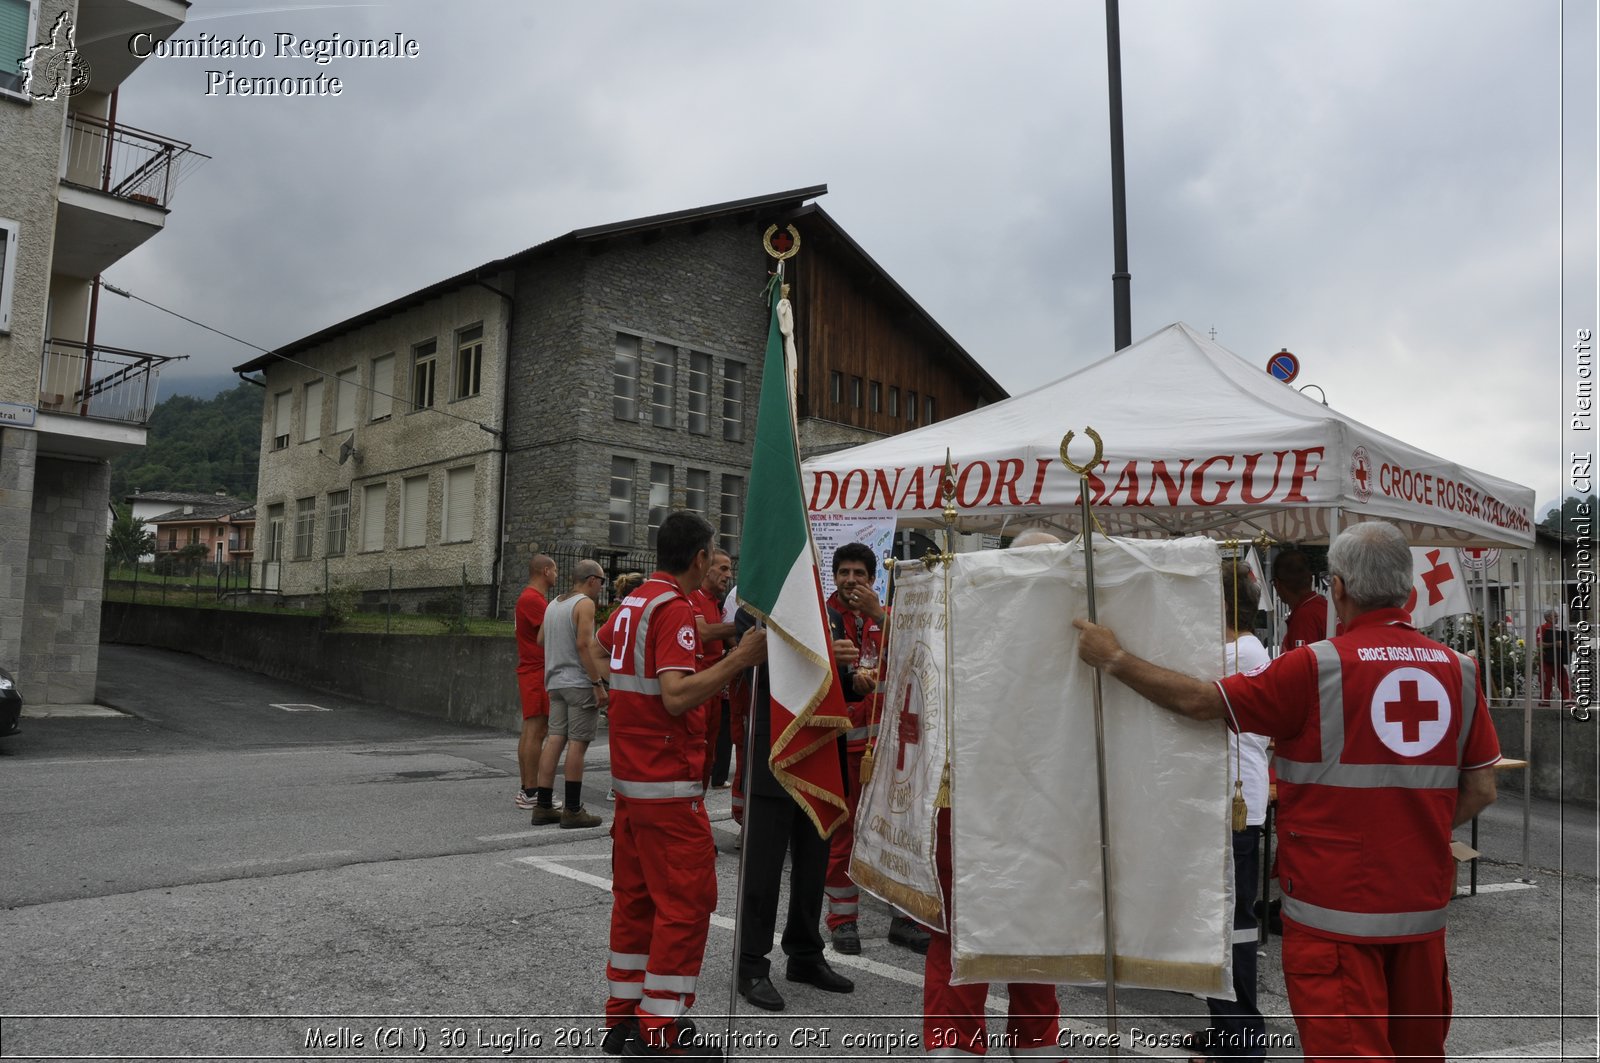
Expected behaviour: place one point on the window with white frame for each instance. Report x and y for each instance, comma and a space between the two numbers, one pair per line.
469, 362
732, 522
696, 490
911, 407
699, 393
894, 402
414, 511
282, 406
424, 370
459, 502
344, 415
733, 402
663, 385
275, 533
305, 528
374, 515
338, 522
18, 32
312, 412
625, 378
928, 410
621, 511
10, 239
875, 398
660, 499
382, 387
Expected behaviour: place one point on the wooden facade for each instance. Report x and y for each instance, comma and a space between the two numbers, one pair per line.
870, 357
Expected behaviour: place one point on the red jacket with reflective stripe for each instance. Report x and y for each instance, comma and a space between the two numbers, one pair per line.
1373, 729
651, 632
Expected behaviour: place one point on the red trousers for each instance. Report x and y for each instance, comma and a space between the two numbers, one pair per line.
953, 1017
1554, 675
663, 891
844, 900
1374, 1001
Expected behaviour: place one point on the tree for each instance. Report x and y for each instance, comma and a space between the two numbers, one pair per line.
1565, 520
128, 541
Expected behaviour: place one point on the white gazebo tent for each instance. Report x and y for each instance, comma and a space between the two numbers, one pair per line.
1196, 441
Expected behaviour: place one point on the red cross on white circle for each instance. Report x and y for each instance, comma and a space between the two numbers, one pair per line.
1410, 711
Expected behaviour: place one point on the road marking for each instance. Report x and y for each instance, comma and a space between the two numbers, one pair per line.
993, 1002
300, 706
269, 861
47, 712
1499, 887
1544, 1050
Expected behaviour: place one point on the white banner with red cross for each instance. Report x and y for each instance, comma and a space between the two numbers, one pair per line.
1438, 588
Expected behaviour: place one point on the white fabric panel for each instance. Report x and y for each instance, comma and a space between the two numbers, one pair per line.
1249, 759
1025, 820
893, 858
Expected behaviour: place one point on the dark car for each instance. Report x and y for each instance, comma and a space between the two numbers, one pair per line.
10, 704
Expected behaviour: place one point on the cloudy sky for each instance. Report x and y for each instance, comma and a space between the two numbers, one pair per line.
1376, 185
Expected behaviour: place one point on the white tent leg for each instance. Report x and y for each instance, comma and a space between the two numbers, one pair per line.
1527, 703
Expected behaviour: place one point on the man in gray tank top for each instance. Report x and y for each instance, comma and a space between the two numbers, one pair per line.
576, 677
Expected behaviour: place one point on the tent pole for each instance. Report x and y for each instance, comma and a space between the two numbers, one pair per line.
1527, 703
1334, 526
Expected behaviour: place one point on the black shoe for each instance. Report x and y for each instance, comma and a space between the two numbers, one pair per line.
619, 1035
847, 939
761, 993
908, 934
817, 972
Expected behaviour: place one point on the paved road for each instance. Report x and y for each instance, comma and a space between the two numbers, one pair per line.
209, 873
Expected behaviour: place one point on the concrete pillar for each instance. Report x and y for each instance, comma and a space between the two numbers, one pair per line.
19, 450
66, 580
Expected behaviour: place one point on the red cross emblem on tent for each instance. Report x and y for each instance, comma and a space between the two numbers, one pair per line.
1433, 578
1410, 711
1361, 473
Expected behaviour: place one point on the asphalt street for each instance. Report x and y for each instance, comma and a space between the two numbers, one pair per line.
233, 866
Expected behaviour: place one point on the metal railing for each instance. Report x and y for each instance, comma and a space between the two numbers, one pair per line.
126, 162
107, 383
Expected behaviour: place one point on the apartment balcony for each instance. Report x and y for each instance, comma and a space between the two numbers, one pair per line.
95, 402
106, 29
118, 186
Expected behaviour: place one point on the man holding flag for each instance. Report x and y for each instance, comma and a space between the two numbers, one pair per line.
805, 713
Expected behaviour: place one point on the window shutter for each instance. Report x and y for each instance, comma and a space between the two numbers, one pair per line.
414, 519
345, 415
280, 414
458, 484
382, 386
313, 411
374, 505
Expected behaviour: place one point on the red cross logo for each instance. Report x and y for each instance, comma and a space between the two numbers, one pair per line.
1410, 712
910, 731
1361, 473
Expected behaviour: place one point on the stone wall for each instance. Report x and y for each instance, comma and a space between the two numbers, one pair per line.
67, 549
1564, 753
457, 678
19, 451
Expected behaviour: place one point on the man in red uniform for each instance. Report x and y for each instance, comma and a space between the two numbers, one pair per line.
1553, 654
1308, 610
664, 882
1384, 745
856, 614
707, 599
530, 675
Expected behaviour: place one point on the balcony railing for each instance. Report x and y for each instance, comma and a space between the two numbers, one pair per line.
107, 383
127, 162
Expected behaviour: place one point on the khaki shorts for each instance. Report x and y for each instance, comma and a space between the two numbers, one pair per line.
574, 713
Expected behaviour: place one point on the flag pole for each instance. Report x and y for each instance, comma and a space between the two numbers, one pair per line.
1086, 520
747, 768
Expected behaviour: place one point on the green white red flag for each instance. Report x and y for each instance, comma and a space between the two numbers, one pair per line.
779, 582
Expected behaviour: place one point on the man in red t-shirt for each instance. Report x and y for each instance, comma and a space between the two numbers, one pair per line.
531, 604
1384, 746
663, 861
1308, 610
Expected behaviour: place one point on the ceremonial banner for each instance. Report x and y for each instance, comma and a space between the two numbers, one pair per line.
1438, 589
778, 582
893, 854
1026, 892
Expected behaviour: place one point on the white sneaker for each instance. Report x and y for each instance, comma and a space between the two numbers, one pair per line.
611, 795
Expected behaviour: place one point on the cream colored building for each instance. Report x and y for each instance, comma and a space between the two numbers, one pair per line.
78, 191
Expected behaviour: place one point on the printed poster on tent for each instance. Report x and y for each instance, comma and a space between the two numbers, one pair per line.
833, 530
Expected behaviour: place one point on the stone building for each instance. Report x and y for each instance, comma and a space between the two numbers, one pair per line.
567, 397
78, 191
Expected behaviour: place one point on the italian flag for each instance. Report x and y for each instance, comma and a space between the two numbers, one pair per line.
778, 582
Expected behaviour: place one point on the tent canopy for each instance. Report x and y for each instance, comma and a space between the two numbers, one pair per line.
1196, 441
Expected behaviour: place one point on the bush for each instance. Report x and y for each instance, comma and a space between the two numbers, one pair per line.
339, 604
